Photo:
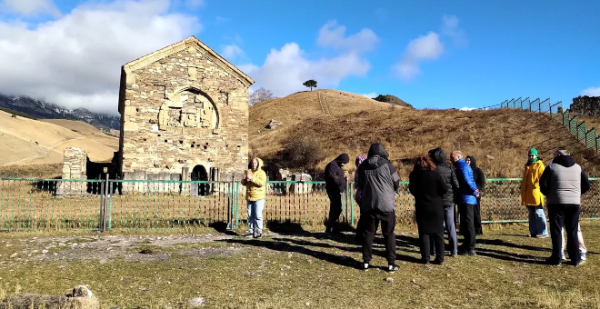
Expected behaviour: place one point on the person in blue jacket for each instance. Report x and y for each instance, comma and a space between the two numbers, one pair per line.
467, 201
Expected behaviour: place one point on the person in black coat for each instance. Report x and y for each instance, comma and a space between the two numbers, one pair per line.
428, 188
479, 178
335, 185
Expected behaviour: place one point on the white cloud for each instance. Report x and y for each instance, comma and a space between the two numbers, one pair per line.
451, 28
232, 51
468, 108
332, 35
30, 7
427, 47
195, 3
591, 92
369, 95
75, 61
284, 70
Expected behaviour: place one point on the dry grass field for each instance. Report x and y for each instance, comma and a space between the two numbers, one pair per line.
27, 142
355, 122
157, 270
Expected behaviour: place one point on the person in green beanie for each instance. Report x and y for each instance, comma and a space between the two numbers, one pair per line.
532, 197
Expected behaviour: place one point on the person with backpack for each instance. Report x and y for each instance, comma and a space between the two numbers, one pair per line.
378, 181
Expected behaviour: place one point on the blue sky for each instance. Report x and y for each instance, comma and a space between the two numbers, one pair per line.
433, 54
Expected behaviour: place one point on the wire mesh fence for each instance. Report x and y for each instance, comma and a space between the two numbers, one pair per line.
53, 204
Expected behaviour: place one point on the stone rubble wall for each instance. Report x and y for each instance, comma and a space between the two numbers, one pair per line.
74, 167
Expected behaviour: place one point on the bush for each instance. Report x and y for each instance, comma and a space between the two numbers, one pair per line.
299, 153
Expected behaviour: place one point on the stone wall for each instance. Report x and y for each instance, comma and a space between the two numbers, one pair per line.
586, 106
74, 167
180, 108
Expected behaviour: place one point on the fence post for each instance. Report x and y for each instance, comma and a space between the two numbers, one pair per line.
102, 203
597, 144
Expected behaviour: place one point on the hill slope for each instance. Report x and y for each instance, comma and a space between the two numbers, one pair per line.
29, 142
505, 135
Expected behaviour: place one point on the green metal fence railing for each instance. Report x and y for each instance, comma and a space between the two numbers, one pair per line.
39, 204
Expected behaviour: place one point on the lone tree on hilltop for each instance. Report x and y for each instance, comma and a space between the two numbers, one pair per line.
260, 96
311, 83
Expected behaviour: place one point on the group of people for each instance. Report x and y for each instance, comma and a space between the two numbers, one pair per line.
437, 188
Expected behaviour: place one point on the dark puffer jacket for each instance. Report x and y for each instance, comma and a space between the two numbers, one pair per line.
378, 180
438, 157
335, 182
478, 175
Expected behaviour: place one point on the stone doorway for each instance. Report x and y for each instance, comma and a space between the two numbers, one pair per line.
199, 173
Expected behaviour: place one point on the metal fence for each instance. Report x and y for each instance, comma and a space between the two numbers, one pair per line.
39, 204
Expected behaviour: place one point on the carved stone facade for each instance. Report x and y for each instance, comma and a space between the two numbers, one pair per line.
183, 109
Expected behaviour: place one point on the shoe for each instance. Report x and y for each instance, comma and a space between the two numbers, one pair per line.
542, 236
453, 254
258, 235
552, 262
425, 261
583, 257
463, 252
393, 267
472, 253
365, 266
580, 263
437, 262
562, 256
249, 234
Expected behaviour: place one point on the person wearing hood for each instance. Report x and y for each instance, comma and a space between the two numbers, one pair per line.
532, 197
428, 187
335, 185
563, 182
357, 197
467, 201
479, 178
378, 181
256, 191
438, 157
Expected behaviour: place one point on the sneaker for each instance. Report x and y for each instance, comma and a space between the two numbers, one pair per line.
258, 235
563, 257
583, 257
364, 266
437, 262
249, 234
463, 252
553, 262
579, 263
472, 253
453, 254
542, 236
393, 267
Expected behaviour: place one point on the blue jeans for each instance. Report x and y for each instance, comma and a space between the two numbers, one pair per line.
450, 226
537, 221
255, 216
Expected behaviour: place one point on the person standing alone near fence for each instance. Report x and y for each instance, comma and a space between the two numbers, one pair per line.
479, 178
256, 192
563, 182
467, 199
532, 197
378, 181
438, 157
428, 187
335, 185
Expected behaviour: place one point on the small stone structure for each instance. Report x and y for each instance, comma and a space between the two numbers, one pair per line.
74, 167
184, 116
79, 298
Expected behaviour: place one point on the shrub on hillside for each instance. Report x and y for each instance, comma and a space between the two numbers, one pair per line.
298, 153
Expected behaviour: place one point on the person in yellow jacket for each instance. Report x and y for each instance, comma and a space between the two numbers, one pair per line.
532, 197
256, 192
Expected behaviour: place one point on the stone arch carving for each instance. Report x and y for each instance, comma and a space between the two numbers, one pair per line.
189, 107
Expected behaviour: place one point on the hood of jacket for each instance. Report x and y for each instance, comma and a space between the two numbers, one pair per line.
343, 158
438, 156
565, 161
260, 163
473, 162
377, 152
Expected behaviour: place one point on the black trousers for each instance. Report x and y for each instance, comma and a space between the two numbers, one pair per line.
335, 209
360, 227
388, 223
566, 215
467, 226
477, 218
429, 241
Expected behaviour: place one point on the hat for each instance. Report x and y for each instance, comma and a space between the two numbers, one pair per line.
533, 151
562, 152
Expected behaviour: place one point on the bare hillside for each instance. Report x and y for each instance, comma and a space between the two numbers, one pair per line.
498, 139
30, 142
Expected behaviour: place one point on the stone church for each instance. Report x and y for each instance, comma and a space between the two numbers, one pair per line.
184, 116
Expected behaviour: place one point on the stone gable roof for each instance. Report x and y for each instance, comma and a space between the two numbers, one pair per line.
179, 46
